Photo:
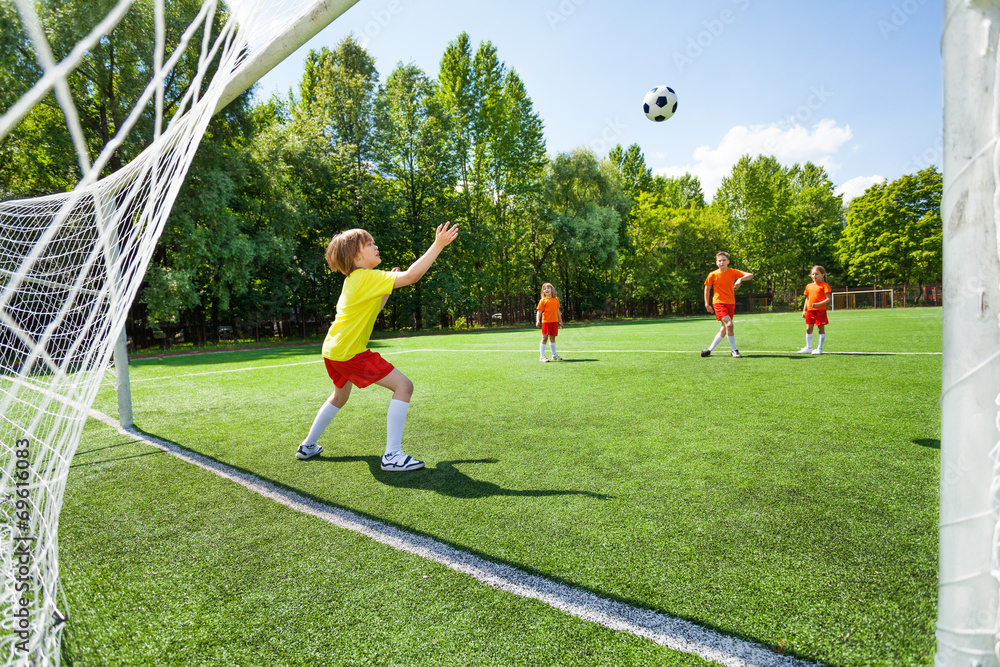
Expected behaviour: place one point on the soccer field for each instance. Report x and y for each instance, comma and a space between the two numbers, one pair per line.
780, 499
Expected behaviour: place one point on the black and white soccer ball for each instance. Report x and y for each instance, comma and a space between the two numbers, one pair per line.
660, 103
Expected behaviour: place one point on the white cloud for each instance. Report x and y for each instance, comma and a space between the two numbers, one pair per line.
790, 144
857, 186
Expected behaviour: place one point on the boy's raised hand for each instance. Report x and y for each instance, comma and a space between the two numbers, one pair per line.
445, 234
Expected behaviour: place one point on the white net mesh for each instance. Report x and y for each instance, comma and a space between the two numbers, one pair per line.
71, 263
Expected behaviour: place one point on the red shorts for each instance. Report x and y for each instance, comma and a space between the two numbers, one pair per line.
361, 369
550, 329
724, 309
817, 316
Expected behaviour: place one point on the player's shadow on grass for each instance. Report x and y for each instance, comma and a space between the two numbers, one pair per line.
445, 478
930, 443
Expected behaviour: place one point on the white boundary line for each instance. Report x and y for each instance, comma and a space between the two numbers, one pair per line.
228, 370
767, 353
527, 353
674, 633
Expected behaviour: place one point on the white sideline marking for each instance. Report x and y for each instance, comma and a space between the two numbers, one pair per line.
691, 352
674, 633
229, 370
527, 353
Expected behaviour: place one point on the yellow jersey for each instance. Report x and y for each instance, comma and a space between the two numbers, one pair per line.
359, 304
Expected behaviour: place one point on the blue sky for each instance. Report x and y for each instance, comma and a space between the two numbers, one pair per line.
853, 85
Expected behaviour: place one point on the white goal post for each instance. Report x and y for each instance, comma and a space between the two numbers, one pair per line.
72, 262
969, 566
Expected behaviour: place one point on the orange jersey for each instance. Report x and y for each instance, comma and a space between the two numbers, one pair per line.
550, 309
816, 292
722, 285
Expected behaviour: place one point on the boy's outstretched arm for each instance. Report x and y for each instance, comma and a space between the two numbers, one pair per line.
739, 281
442, 237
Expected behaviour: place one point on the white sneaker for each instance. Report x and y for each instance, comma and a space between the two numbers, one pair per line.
400, 462
806, 350
542, 359
818, 351
556, 357
307, 451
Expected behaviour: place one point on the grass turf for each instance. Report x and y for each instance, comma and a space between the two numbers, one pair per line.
783, 498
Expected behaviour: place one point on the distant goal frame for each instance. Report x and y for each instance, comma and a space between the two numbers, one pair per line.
847, 294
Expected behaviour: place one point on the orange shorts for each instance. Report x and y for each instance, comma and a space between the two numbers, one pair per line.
724, 309
361, 369
817, 316
550, 329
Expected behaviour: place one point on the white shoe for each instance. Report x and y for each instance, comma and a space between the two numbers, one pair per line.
400, 462
556, 357
307, 451
806, 350
818, 351
542, 359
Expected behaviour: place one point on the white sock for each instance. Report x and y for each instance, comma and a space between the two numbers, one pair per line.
809, 340
541, 349
822, 337
732, 342
323, 419
395, 420
718, 339
552, 344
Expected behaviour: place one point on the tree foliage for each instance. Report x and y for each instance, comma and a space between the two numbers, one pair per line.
782, 220
273, 181
894, 232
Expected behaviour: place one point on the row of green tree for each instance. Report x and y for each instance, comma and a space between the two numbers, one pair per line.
274, 180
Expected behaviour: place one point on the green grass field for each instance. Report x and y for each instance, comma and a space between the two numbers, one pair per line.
784, 499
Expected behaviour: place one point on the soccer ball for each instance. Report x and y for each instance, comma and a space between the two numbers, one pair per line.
660, 103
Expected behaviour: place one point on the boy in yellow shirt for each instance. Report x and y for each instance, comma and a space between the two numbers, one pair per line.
349, 362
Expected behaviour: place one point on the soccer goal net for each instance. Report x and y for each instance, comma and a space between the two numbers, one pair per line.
71, 263
873, 298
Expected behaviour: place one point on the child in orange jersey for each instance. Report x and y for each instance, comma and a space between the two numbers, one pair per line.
724, 281
814, 309
549, 317
348, 361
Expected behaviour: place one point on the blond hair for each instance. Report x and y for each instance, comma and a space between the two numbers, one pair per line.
722, 253
552, 287
344, 249
821, 270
